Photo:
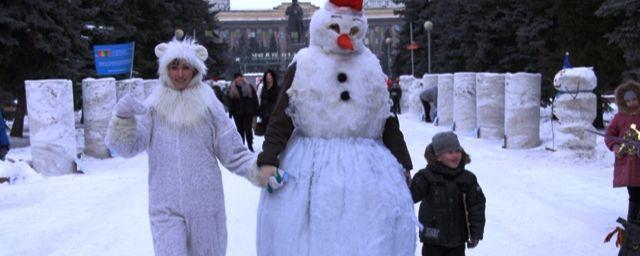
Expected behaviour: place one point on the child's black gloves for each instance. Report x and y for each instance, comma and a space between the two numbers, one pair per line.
472, 243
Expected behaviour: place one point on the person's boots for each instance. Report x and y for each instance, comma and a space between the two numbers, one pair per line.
631, 244
631, 239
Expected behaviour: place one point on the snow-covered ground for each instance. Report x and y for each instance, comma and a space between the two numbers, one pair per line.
538, 203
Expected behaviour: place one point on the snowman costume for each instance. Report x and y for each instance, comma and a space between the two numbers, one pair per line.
185, 133
333, 133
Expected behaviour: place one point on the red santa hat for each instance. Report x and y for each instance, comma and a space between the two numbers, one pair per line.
353, 4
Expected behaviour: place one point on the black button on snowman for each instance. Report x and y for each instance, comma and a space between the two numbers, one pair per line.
344, 96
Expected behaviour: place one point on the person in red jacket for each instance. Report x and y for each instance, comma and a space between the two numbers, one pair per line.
626, 171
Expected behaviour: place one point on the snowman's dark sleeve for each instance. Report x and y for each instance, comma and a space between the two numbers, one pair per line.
394, 140
280, 125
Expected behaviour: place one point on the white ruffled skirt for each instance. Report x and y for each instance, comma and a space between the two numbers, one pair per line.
344, 197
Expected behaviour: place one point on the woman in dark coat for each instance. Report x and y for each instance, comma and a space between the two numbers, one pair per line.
626, 170
268, 96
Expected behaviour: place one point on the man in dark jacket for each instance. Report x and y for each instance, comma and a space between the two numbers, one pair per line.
243, 106
453, 205
4, 139
396, 94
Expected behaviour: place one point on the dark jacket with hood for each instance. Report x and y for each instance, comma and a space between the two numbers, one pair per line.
443, 192
626, 170
268, 98
395, 92
242, 105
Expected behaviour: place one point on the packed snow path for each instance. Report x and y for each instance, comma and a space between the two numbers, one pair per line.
538, 203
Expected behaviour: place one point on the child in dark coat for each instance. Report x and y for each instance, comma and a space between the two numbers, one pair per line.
453, 205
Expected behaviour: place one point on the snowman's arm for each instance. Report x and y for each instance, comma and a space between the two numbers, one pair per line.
280, 125
394, 140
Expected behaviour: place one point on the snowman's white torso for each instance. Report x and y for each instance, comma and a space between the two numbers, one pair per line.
316, 103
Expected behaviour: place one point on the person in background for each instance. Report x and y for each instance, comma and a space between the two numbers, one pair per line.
219, 93
429, 98
4, 139
268, 95
396, 94
626, 168
452, 211
243, 107
187, 135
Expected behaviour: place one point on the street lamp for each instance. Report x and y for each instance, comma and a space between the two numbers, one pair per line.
428, 26
388, 41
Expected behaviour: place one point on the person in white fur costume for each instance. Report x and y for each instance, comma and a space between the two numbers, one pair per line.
185, 131
346, 159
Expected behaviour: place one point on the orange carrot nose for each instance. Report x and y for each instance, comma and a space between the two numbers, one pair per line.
345, 42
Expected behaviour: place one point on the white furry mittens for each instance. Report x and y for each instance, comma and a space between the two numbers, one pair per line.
129, 106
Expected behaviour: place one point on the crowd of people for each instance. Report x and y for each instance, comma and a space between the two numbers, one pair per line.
249, 105
335, 166
185, 130
452, 206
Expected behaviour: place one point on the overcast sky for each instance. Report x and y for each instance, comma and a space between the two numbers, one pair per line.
266, 4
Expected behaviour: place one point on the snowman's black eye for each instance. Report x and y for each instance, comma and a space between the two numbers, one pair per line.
335, 27
354, 30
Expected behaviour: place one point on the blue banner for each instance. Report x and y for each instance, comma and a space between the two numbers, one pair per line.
113, 59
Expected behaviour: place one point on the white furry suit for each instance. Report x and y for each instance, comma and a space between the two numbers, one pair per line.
185, 133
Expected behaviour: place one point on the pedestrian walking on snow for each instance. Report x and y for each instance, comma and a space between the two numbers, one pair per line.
243, 106
268, 97
395, 92
185, 131
452, 211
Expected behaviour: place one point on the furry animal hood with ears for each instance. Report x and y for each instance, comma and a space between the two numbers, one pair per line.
619, 93
187, 50
189, 106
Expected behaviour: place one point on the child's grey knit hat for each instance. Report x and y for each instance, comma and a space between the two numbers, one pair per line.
445, 142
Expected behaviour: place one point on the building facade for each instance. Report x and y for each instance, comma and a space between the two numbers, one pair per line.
259, 39
381, 4
221, 5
